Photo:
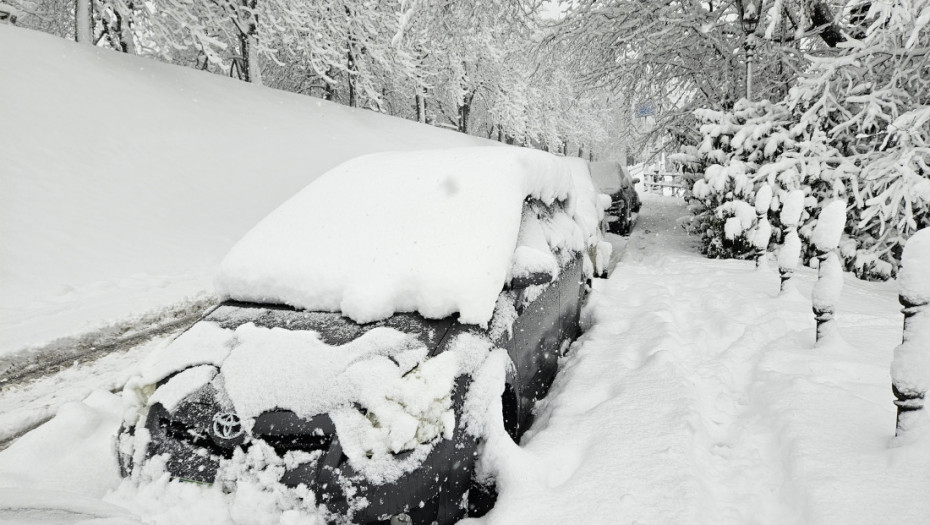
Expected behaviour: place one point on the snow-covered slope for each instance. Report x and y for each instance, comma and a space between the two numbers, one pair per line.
124, 181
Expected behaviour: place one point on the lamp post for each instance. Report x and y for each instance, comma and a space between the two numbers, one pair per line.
749, 11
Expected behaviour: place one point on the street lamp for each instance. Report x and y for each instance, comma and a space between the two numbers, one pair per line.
749, 13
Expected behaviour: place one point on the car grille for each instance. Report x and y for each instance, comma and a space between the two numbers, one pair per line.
303, 443
193, 438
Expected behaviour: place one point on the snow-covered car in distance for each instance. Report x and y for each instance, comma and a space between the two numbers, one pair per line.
351, 355
613, 179
8, 14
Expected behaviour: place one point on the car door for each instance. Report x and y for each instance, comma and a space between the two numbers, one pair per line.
536, 334
539, 331
572, 292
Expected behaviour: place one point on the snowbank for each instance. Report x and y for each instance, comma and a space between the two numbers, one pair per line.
432, 232
84, 463
124, 181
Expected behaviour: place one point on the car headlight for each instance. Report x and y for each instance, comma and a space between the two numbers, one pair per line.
144, 392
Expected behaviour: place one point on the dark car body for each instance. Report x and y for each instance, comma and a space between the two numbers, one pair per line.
200, 432
612, 179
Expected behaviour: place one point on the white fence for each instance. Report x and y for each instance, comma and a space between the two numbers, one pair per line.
664, 183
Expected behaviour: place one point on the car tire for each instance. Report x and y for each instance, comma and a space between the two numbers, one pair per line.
481, 499
483, 496
616, 226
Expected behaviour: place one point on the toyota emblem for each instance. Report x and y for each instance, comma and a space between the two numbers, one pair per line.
227, 425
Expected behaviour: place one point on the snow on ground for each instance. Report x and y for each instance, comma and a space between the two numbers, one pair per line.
124, 181
23, 406
696, 395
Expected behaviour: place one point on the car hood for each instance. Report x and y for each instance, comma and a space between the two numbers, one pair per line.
263, 358
380, 389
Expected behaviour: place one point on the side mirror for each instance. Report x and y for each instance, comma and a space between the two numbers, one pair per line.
637, 180
532, 279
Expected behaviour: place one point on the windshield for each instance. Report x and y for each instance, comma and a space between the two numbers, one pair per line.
606, 176
333, 328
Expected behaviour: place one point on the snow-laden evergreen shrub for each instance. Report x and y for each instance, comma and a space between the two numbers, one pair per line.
871, 104
856, 128
757, 144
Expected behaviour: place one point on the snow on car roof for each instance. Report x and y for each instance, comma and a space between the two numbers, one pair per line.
432, 232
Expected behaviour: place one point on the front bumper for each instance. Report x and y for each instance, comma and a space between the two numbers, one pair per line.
432, 493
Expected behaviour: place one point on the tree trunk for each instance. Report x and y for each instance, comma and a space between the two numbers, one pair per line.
249, 67
822, 16
420, 100
329, 91
255, 68
84, 21
353, 95
465, 111
127, 41
251, 70
351, 65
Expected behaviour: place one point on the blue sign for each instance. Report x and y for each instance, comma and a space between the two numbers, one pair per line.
645, 109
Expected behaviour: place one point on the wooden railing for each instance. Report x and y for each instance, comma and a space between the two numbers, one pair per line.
657, 182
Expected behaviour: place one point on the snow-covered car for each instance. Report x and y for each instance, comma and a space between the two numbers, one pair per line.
8, 14
613, 179
351, 355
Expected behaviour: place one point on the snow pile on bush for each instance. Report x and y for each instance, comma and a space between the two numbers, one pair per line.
740, 155
432, 232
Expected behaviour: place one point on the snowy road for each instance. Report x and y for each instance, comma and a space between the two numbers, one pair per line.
696, 396
36, 383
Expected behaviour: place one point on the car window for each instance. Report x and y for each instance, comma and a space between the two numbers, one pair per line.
606, 176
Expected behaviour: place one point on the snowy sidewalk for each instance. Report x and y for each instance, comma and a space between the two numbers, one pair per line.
697, 396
